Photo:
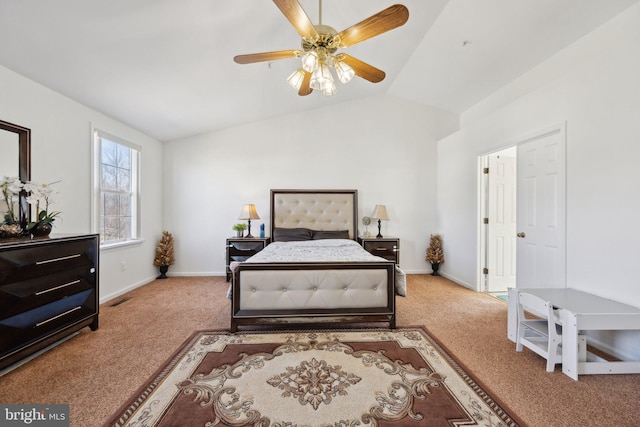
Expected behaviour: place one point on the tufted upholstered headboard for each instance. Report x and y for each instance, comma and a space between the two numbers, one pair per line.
320, 210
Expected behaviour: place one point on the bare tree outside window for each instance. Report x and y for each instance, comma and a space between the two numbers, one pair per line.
118, 167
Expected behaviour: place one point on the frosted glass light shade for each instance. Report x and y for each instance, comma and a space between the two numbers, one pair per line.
296, 78
331, 91
345, 72
310, 61
321, 78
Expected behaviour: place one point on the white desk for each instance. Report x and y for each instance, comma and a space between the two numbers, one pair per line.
581, 311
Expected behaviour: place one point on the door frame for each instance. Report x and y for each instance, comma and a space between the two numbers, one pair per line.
560, 128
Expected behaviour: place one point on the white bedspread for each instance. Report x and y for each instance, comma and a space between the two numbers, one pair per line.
325, 250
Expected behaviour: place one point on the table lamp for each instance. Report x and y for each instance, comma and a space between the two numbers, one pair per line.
249, 212
380, 213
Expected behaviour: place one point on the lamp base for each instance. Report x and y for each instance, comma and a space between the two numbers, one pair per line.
379, 227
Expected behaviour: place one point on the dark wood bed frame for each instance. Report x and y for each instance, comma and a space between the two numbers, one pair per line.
313, 317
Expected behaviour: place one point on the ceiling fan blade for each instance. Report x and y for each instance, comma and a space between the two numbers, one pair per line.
305, 88
362, 69
383, 21
292, 10
266, 56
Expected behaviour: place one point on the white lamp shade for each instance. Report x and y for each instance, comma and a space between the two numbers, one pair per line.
249, 212
321, 79
296, 78
310, 61
345, 72
332, 90
380, 212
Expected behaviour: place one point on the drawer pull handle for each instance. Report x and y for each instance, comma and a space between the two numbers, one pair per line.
58, 259
57, 287
58, 316
381, 249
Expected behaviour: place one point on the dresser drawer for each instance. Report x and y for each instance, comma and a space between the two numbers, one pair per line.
243, 248
381, 248
25, 327
25, 295
240, 251
387, 248
31, 262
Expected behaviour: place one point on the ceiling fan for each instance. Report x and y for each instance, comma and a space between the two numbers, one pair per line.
320, 44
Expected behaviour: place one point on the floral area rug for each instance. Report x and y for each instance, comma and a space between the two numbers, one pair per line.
339, 378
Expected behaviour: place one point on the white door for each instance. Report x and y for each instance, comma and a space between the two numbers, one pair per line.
501, 222
541, 211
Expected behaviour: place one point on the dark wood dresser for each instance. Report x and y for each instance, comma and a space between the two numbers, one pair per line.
48, 290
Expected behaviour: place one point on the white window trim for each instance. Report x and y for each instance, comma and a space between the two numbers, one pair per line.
118, 245
95, 188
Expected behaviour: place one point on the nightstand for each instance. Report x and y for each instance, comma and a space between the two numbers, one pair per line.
241, 248
385, 247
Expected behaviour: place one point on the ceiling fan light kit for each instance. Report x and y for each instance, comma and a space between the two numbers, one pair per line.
344, 72
320, 44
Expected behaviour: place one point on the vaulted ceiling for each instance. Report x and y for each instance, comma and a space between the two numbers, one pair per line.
166, 66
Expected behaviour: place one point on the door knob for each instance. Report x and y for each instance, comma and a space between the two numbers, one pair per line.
521, 234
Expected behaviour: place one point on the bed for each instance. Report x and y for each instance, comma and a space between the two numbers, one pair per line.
289, 282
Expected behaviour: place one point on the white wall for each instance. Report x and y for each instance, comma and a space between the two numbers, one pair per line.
61, 151
382, 146
594, 87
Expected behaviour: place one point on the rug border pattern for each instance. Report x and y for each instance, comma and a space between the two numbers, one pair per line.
133, 404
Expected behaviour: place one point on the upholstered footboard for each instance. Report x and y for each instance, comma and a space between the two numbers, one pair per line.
311, 293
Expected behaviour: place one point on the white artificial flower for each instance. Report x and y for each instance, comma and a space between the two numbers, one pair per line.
15, 186
40, 196
32, 200
32, 188
9, 187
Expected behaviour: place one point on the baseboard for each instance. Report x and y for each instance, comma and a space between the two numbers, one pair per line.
607, 349
221, 274
123, 291
196, 274
458, 281
216, 273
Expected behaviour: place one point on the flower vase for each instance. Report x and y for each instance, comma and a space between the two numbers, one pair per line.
41, 229
10, 230
435, 266
163, 272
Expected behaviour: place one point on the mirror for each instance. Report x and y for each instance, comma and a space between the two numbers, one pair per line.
15, 146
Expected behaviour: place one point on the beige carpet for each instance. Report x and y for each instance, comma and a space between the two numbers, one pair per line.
96, 372
318, 378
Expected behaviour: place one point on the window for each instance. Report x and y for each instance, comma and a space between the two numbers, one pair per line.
116, 184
